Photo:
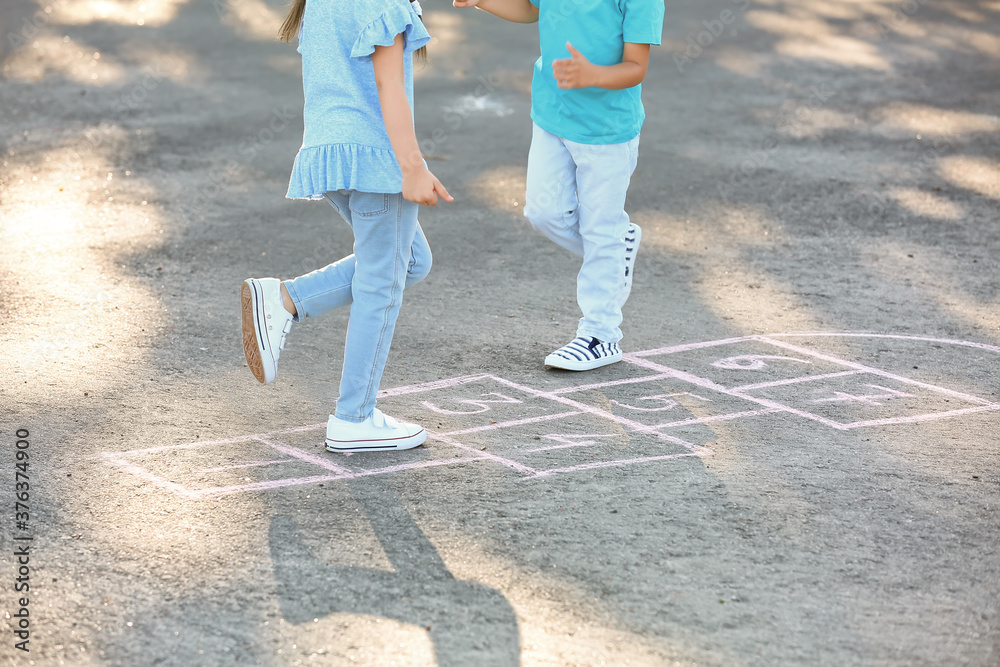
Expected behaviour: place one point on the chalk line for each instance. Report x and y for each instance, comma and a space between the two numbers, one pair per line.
685, 347
932, 416
253, 464
719, 418
142, 473
318, 461
515, 422
804, 378
431, 386
298, 481
482, 454
610, 383
765, 402
593, 410
924, 339
620, 463
880, 372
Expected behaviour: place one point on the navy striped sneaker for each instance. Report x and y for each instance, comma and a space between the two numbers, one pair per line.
583, 354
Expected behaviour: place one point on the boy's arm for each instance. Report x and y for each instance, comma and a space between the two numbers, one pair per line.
578, 72
516, 11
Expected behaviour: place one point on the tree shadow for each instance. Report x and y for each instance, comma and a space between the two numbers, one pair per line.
468, 622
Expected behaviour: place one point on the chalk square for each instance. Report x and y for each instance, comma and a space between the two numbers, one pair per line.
577, 440
870, 399
662, 402
355, 464
469, 402
745, 363
209, 469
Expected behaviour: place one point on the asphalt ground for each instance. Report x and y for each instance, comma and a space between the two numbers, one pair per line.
796, 464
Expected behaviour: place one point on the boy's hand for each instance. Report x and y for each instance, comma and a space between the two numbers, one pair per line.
462, 4
575, 72
423, 187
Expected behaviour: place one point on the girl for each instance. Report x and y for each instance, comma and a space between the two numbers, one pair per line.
360, 153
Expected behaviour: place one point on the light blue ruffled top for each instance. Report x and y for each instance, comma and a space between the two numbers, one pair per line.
345, 145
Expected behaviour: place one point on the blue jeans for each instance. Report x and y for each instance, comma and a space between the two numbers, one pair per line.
576, 197
390, 253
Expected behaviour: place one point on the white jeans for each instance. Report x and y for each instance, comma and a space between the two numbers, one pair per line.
576, 197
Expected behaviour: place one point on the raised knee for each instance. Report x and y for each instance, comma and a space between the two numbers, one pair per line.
543, 218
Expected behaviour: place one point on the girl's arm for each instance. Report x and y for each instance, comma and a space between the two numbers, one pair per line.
578, 72
419, 184
516, 11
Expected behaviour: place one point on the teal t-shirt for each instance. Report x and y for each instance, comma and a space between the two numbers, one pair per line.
599, 30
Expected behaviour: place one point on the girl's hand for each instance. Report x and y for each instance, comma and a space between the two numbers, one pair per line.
575, 72
462, 4
423, 187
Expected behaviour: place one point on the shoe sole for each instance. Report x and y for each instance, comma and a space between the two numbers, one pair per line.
251, 337
552, 361
392, 444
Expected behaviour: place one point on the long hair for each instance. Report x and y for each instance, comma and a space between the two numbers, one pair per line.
293, 23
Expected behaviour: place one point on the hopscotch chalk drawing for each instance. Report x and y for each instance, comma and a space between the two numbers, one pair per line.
661, 412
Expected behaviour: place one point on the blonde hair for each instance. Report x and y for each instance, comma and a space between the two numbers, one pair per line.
293, 23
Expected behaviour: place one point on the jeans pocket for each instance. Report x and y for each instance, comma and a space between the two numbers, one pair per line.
333, 202
369, 204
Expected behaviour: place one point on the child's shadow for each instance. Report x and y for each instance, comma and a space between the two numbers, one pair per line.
468, 623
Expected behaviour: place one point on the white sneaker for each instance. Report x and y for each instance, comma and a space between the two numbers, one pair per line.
633, 237
584, 354
265, 325
376, 434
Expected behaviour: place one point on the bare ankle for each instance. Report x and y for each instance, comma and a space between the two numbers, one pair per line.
286, 301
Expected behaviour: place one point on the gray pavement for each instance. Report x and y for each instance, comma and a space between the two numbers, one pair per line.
797, 464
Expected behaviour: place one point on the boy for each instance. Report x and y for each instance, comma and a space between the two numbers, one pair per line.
587, 112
